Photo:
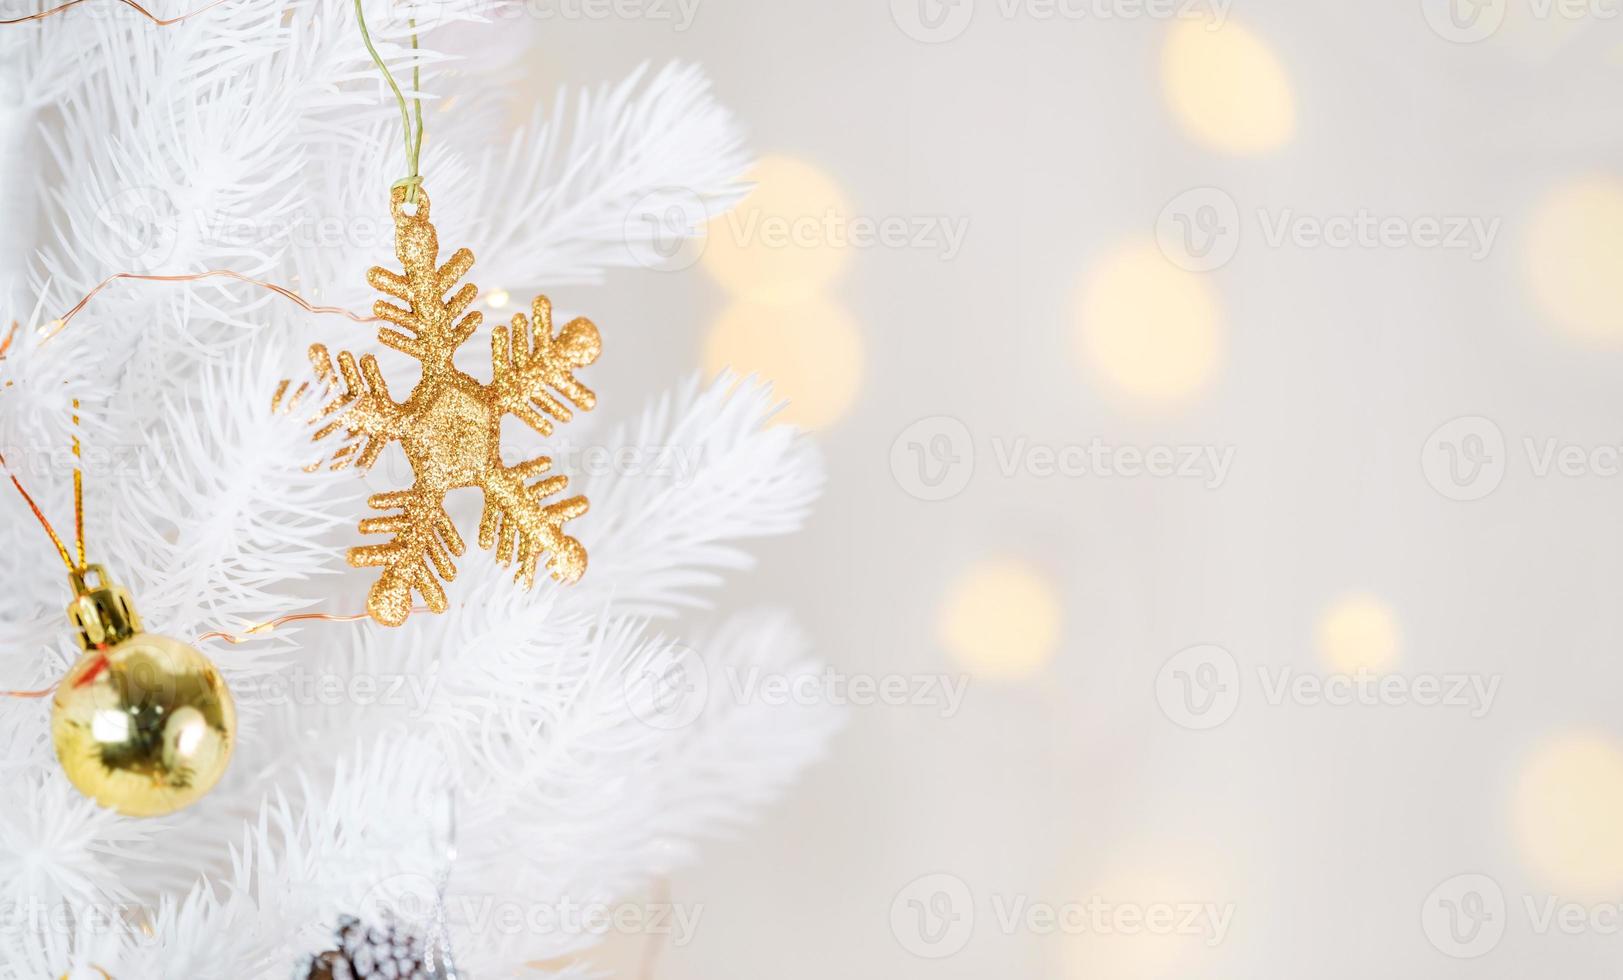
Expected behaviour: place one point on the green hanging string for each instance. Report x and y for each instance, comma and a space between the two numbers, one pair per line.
414, 142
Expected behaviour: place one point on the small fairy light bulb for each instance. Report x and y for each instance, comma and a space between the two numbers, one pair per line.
142, 723
497, 299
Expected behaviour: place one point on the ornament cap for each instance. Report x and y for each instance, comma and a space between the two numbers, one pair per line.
105, 615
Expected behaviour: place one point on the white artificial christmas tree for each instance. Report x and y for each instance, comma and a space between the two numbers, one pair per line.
534, 730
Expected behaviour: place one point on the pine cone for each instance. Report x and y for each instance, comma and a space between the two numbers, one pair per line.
367, 953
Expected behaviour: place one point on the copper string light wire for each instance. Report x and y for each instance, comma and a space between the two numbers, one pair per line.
236, 639
62, 551
272, 626
61, 323
39, 515
144, 12
78, 490
41, 693
260, 629
50, 531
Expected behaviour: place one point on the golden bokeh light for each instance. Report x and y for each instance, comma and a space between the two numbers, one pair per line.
787, 240
1574, 259
1568, 815
1172, 948
812, 352
1000, 620
1149, 330
1227, 88
1359, 633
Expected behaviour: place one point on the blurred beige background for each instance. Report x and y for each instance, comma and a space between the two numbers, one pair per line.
1229, 393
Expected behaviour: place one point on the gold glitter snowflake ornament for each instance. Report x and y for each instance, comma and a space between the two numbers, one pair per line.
450, 426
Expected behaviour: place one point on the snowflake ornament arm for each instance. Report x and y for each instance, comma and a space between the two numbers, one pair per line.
450, 426
364, 408
528, 363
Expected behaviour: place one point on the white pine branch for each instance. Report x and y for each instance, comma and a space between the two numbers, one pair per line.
232, 141
708, 470
569, 197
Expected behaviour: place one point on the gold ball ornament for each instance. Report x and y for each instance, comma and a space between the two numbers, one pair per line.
142, 723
